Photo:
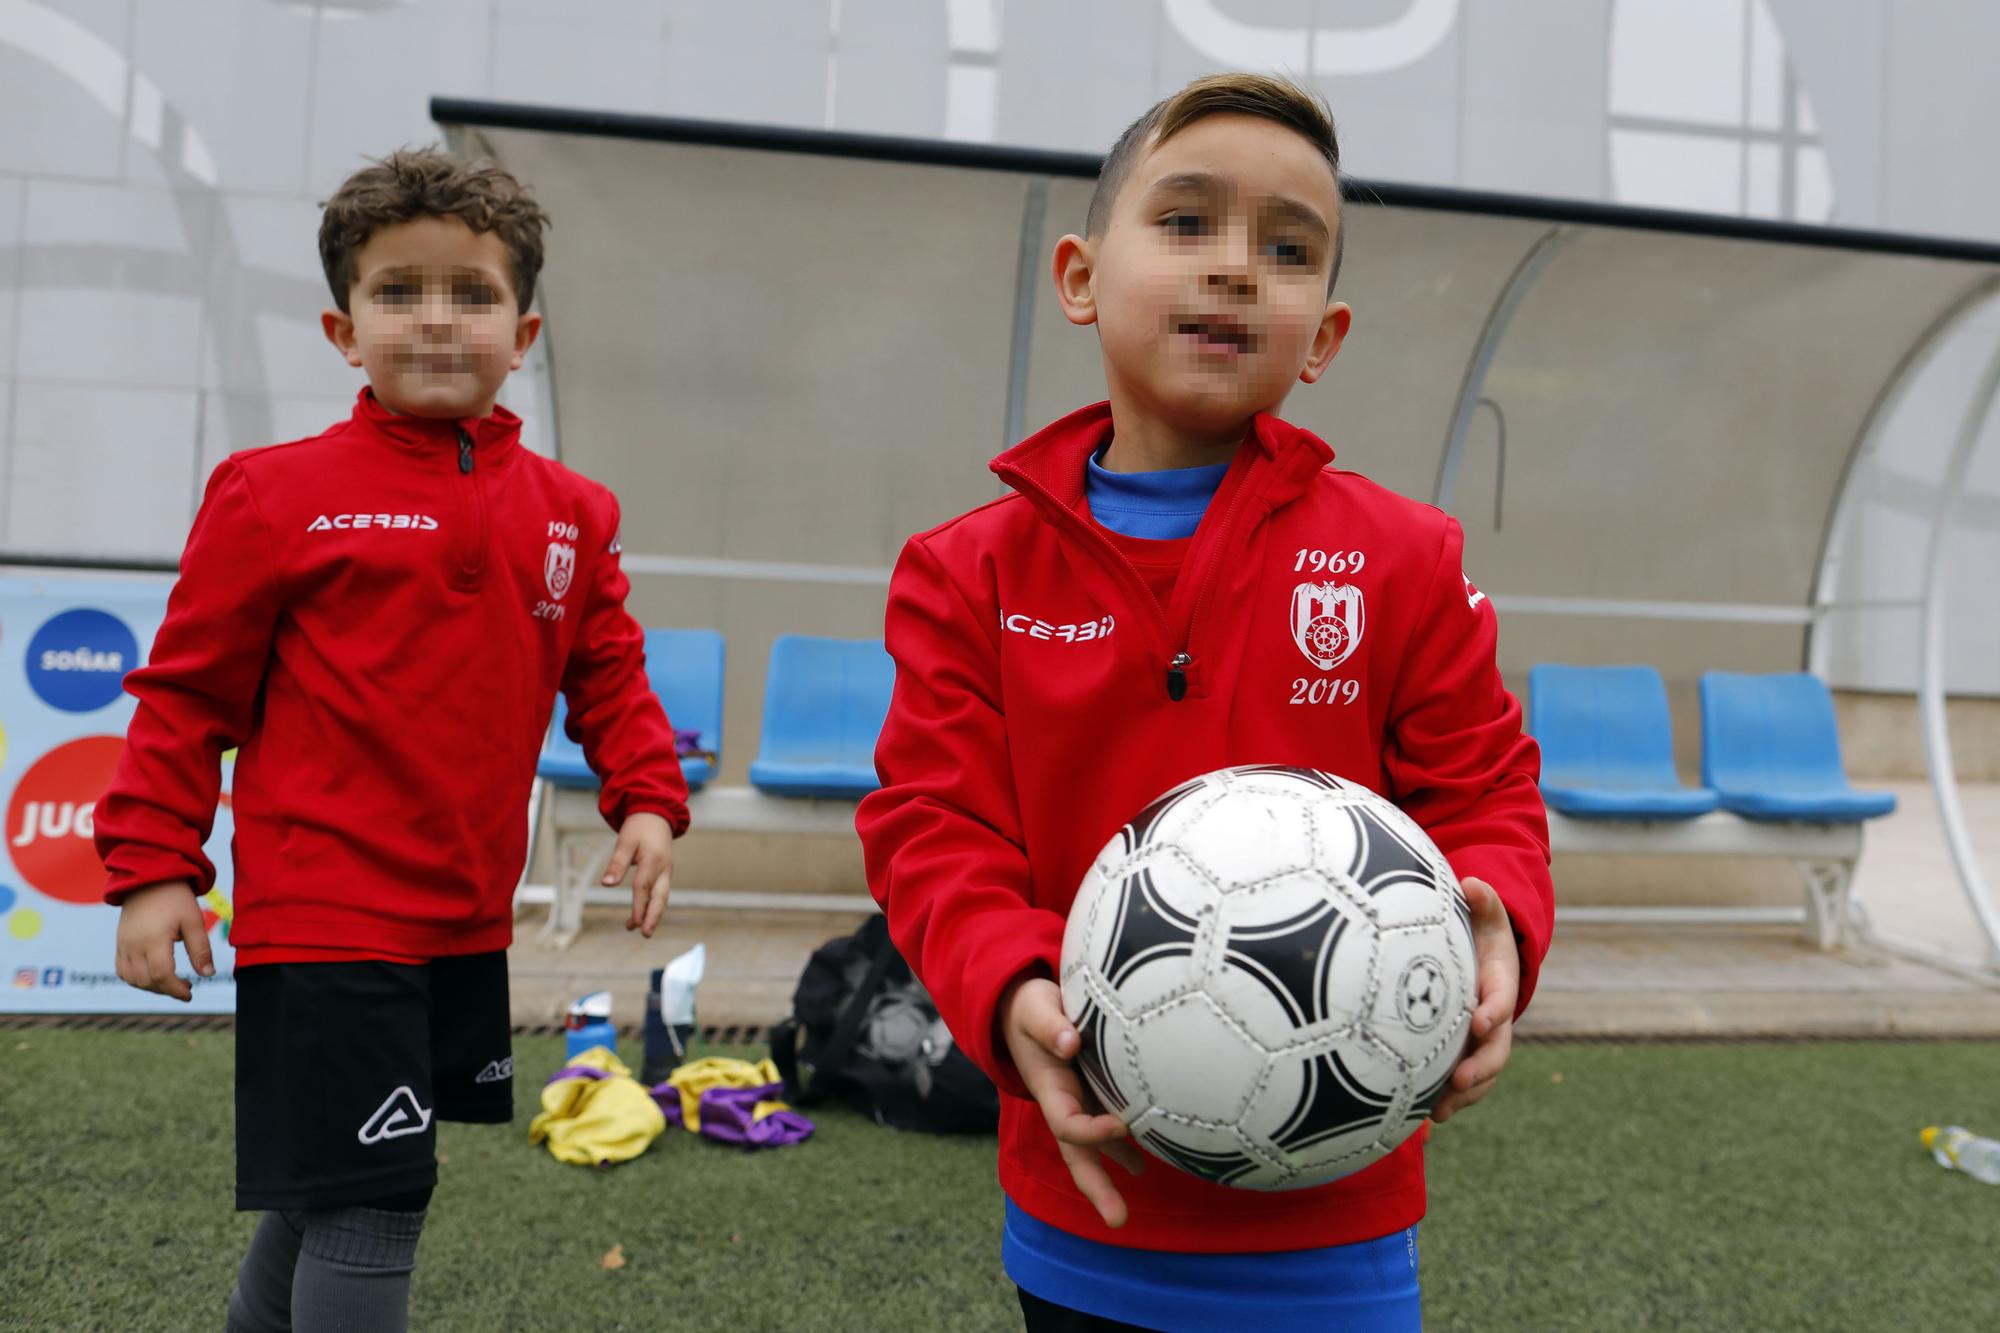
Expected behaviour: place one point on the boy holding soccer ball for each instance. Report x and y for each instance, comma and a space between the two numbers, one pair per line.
1180, 582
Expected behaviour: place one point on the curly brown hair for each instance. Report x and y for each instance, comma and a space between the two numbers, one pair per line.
415, 183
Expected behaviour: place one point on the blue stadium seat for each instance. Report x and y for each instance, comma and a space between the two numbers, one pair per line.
1608, 744
1771, 747
685, 668
824, 702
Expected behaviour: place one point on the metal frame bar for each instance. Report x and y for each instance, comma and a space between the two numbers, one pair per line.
1027, 282
1980, 413
451, 111
1636, 608
467, 142
1717, 833
773, 571
1868, 440
1955, 315
541, 895
1681, 916
1960, 311
1917, 952
1470, 389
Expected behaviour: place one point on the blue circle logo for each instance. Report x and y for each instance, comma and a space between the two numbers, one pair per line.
78, 660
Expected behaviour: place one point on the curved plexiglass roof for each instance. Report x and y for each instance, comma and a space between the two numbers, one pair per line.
820, 337
789, 349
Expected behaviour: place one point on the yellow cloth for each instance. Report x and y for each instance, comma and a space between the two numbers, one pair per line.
597, 1121
720, 1071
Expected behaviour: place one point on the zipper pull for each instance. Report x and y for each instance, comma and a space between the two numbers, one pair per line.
1177, 676
464, 451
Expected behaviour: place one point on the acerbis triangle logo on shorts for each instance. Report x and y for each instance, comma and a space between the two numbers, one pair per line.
496, 1071
396, 1117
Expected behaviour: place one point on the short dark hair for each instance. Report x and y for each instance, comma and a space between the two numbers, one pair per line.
415, 183
1269, 96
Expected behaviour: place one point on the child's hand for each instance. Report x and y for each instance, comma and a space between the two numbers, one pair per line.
148, 924
1042, 1043
647, 840
1498, 963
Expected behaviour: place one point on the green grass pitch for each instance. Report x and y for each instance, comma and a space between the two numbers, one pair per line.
1602, 1186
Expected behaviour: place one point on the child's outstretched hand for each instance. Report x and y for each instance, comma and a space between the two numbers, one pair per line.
645, 840
1498, 962
1043, 1044
149, 923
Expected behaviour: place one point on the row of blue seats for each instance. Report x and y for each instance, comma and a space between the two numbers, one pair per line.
824, 702
1770, 747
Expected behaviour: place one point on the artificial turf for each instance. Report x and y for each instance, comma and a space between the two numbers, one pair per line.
1753, 1186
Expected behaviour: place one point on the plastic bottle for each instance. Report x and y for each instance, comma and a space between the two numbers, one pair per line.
1958, 1148
588, 1024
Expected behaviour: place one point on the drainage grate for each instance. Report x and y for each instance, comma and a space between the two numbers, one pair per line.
1746, 1038
757, 1034
123, 1022
712, 1034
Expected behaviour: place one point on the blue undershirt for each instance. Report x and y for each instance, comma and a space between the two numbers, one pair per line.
1367, 1287
1157, 505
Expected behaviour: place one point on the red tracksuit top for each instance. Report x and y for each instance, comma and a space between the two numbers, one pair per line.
379, 618
1035, 713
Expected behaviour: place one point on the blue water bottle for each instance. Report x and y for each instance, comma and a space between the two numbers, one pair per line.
588, 1024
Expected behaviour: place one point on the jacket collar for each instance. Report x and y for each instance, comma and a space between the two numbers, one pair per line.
494, 437
1281, 458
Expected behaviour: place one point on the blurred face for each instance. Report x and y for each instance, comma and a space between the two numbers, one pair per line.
1208, 285
432, 317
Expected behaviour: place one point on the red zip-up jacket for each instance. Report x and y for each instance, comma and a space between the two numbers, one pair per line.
1044, 696
379, 618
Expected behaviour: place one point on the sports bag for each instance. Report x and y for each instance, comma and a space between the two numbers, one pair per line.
864, 1032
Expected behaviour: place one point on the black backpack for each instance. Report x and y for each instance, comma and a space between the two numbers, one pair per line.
863, 1031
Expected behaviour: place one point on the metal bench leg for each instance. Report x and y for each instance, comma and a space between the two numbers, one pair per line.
534, 839
546, 936
566, 906
1829, 900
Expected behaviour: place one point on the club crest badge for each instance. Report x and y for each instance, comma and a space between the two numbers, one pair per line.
1326, 622
558, 567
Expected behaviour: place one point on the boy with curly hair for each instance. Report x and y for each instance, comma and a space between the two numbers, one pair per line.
378, 619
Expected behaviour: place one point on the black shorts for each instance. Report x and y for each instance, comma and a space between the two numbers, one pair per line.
344, 1069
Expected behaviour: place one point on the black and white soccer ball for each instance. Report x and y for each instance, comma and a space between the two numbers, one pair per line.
1272, 972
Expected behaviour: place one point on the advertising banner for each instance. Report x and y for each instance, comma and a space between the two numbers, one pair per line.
66, 641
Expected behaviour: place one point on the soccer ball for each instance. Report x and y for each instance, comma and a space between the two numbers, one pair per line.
1272, 972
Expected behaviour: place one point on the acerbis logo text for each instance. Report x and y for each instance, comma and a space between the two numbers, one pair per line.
355, 522
1036, 628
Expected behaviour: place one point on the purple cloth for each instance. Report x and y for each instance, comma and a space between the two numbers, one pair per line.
729, 1115
575, 1071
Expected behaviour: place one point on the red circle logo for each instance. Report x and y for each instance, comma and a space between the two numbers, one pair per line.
49, 818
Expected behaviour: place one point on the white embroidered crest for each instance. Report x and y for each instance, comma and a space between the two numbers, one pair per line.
1326, 622
557, 568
